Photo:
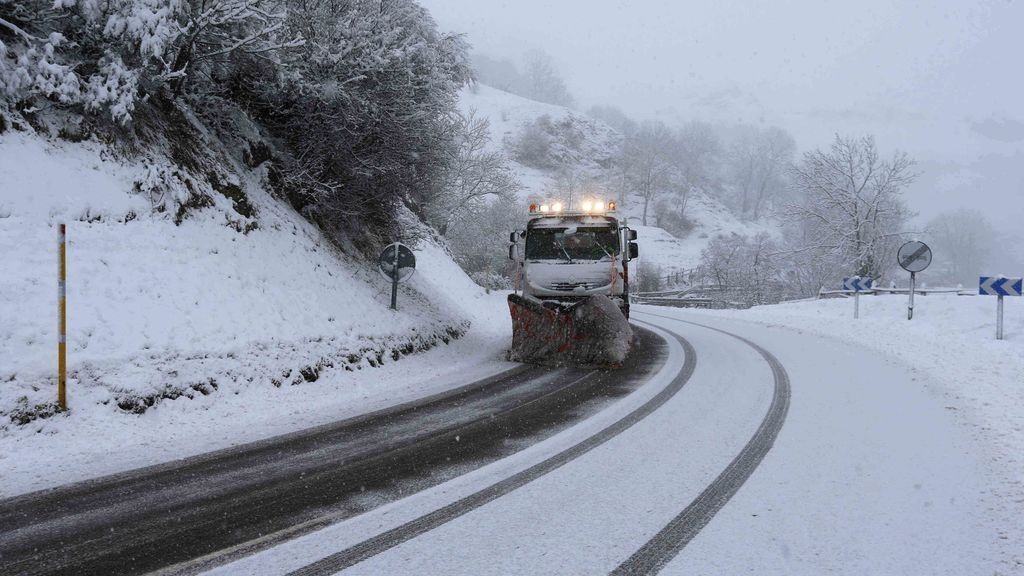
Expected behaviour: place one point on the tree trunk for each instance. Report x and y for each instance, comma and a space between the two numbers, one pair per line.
181, 61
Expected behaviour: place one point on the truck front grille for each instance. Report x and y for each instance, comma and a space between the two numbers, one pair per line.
570, 286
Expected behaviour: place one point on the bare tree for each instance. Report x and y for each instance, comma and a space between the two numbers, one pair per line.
963, 241
652, 159
649, 277
480, 243
532, 145
719, 260
544, 83
572, 185
748, 268
851, 208
474, 173
805, 271
696, 152
757, 164
567, 185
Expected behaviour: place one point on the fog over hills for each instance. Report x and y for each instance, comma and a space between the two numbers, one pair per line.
934, 80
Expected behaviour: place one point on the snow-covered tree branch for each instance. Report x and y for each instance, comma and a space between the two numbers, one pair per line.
475, 176
850, 207
107, 56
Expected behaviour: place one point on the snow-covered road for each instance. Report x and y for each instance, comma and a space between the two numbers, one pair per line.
748, 448
592, 515
209, 509
868, 475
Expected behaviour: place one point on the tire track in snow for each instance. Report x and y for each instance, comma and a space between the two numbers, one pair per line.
405, 532
667, 543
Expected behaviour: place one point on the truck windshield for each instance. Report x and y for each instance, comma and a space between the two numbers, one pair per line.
573, 243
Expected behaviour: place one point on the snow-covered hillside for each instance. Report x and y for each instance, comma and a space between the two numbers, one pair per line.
183, 330
668, 254
229, 316
510, 114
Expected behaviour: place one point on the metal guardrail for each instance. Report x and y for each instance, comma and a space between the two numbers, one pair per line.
699, 289
680, 303
714, 303
698, 297
877, 291
662, 293
677, 302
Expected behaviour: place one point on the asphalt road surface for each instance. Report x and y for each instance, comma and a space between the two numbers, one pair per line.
709, 465
234, 502
371, 556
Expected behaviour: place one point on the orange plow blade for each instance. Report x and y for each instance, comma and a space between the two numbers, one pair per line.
592, 332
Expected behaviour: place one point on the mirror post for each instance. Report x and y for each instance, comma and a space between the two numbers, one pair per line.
394, 281
513, 251
910, 305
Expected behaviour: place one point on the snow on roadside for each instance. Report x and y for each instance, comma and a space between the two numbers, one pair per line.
951, 343
188, 338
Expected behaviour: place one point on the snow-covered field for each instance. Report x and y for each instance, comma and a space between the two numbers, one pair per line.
951, 344
188, 338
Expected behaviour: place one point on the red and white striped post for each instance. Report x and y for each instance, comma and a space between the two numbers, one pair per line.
62, 347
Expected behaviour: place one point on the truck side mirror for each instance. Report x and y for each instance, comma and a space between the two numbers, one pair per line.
634, 249
512, 237
632, 234
512, 252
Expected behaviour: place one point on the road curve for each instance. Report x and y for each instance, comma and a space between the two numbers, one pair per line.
382, 542
166, 515
200, 513
671, 539
485, 530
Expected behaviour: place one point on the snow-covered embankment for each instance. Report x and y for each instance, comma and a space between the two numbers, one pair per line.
237, 323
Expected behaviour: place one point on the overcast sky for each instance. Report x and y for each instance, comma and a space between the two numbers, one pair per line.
940, 79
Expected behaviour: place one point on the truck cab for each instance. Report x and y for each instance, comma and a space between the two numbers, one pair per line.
569, 255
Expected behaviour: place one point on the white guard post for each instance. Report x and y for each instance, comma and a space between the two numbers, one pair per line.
999, 286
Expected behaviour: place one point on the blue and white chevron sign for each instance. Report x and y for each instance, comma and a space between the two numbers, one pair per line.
999, 286
858, 284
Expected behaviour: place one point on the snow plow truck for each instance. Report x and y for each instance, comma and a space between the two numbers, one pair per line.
571, 303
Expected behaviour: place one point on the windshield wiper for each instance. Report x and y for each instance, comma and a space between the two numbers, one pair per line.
564, 251
605, 250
